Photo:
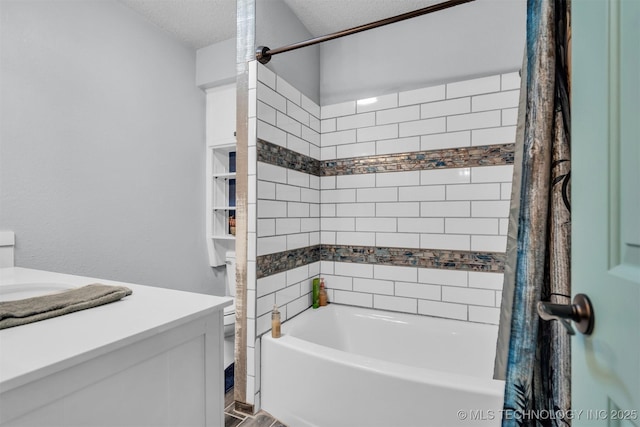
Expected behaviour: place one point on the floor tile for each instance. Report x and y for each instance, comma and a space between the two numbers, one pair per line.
261, 419
228, 398
233, 418
231, 421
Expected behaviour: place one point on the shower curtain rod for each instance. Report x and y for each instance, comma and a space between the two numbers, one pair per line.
264, 54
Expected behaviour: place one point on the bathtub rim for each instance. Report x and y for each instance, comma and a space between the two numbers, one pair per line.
451, 380
335, 306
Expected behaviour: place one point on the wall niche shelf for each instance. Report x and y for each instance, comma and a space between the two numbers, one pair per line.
221, 172
221, 200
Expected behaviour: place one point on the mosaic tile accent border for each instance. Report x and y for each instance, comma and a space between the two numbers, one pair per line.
463, 157
266, 265
280, 156
403, 257
487, 155
412, 257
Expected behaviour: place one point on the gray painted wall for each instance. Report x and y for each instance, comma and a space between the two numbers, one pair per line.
216, 64
476, 39
277, 26
102, 146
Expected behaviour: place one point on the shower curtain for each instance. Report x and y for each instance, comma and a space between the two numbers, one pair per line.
534, 356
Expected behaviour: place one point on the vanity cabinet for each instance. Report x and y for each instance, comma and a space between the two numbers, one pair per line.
153, 358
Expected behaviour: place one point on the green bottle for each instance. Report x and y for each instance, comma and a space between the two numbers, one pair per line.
316, 292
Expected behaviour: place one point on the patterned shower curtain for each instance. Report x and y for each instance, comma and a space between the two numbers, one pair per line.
538, 371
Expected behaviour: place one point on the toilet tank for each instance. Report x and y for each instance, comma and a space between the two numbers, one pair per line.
230, 262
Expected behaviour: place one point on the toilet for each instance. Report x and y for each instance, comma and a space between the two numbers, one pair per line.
230, 311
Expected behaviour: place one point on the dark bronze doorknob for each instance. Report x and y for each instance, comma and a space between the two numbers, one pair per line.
581, 312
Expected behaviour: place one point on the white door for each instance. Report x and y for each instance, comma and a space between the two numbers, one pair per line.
606, 209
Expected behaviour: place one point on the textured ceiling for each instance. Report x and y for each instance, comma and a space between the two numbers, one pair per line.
197, 23
327, 16
200, 23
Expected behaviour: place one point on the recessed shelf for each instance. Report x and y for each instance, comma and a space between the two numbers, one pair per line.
221, 194
229, 175
221, 178
224, 237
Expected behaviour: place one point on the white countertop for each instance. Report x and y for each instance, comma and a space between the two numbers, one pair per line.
32, 351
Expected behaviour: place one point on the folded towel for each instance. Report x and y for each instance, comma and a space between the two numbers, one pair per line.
20, 312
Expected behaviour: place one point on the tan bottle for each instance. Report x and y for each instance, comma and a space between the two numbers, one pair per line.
275, 322
324, 298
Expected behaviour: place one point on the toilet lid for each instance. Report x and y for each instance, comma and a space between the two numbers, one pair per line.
230, 309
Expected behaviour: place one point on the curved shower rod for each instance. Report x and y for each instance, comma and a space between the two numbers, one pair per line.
264, 54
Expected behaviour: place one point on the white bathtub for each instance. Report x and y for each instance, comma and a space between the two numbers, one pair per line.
349, 366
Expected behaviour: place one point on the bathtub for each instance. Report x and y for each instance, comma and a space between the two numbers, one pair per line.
350, 366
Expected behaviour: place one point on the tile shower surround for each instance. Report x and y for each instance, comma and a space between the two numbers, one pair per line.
456, 219
501, 154
401, 204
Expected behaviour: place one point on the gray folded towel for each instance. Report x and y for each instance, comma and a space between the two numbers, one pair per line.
20, 312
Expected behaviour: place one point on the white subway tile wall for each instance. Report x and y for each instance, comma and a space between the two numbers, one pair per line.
288, 201
451, 209
456, 209
254, 186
